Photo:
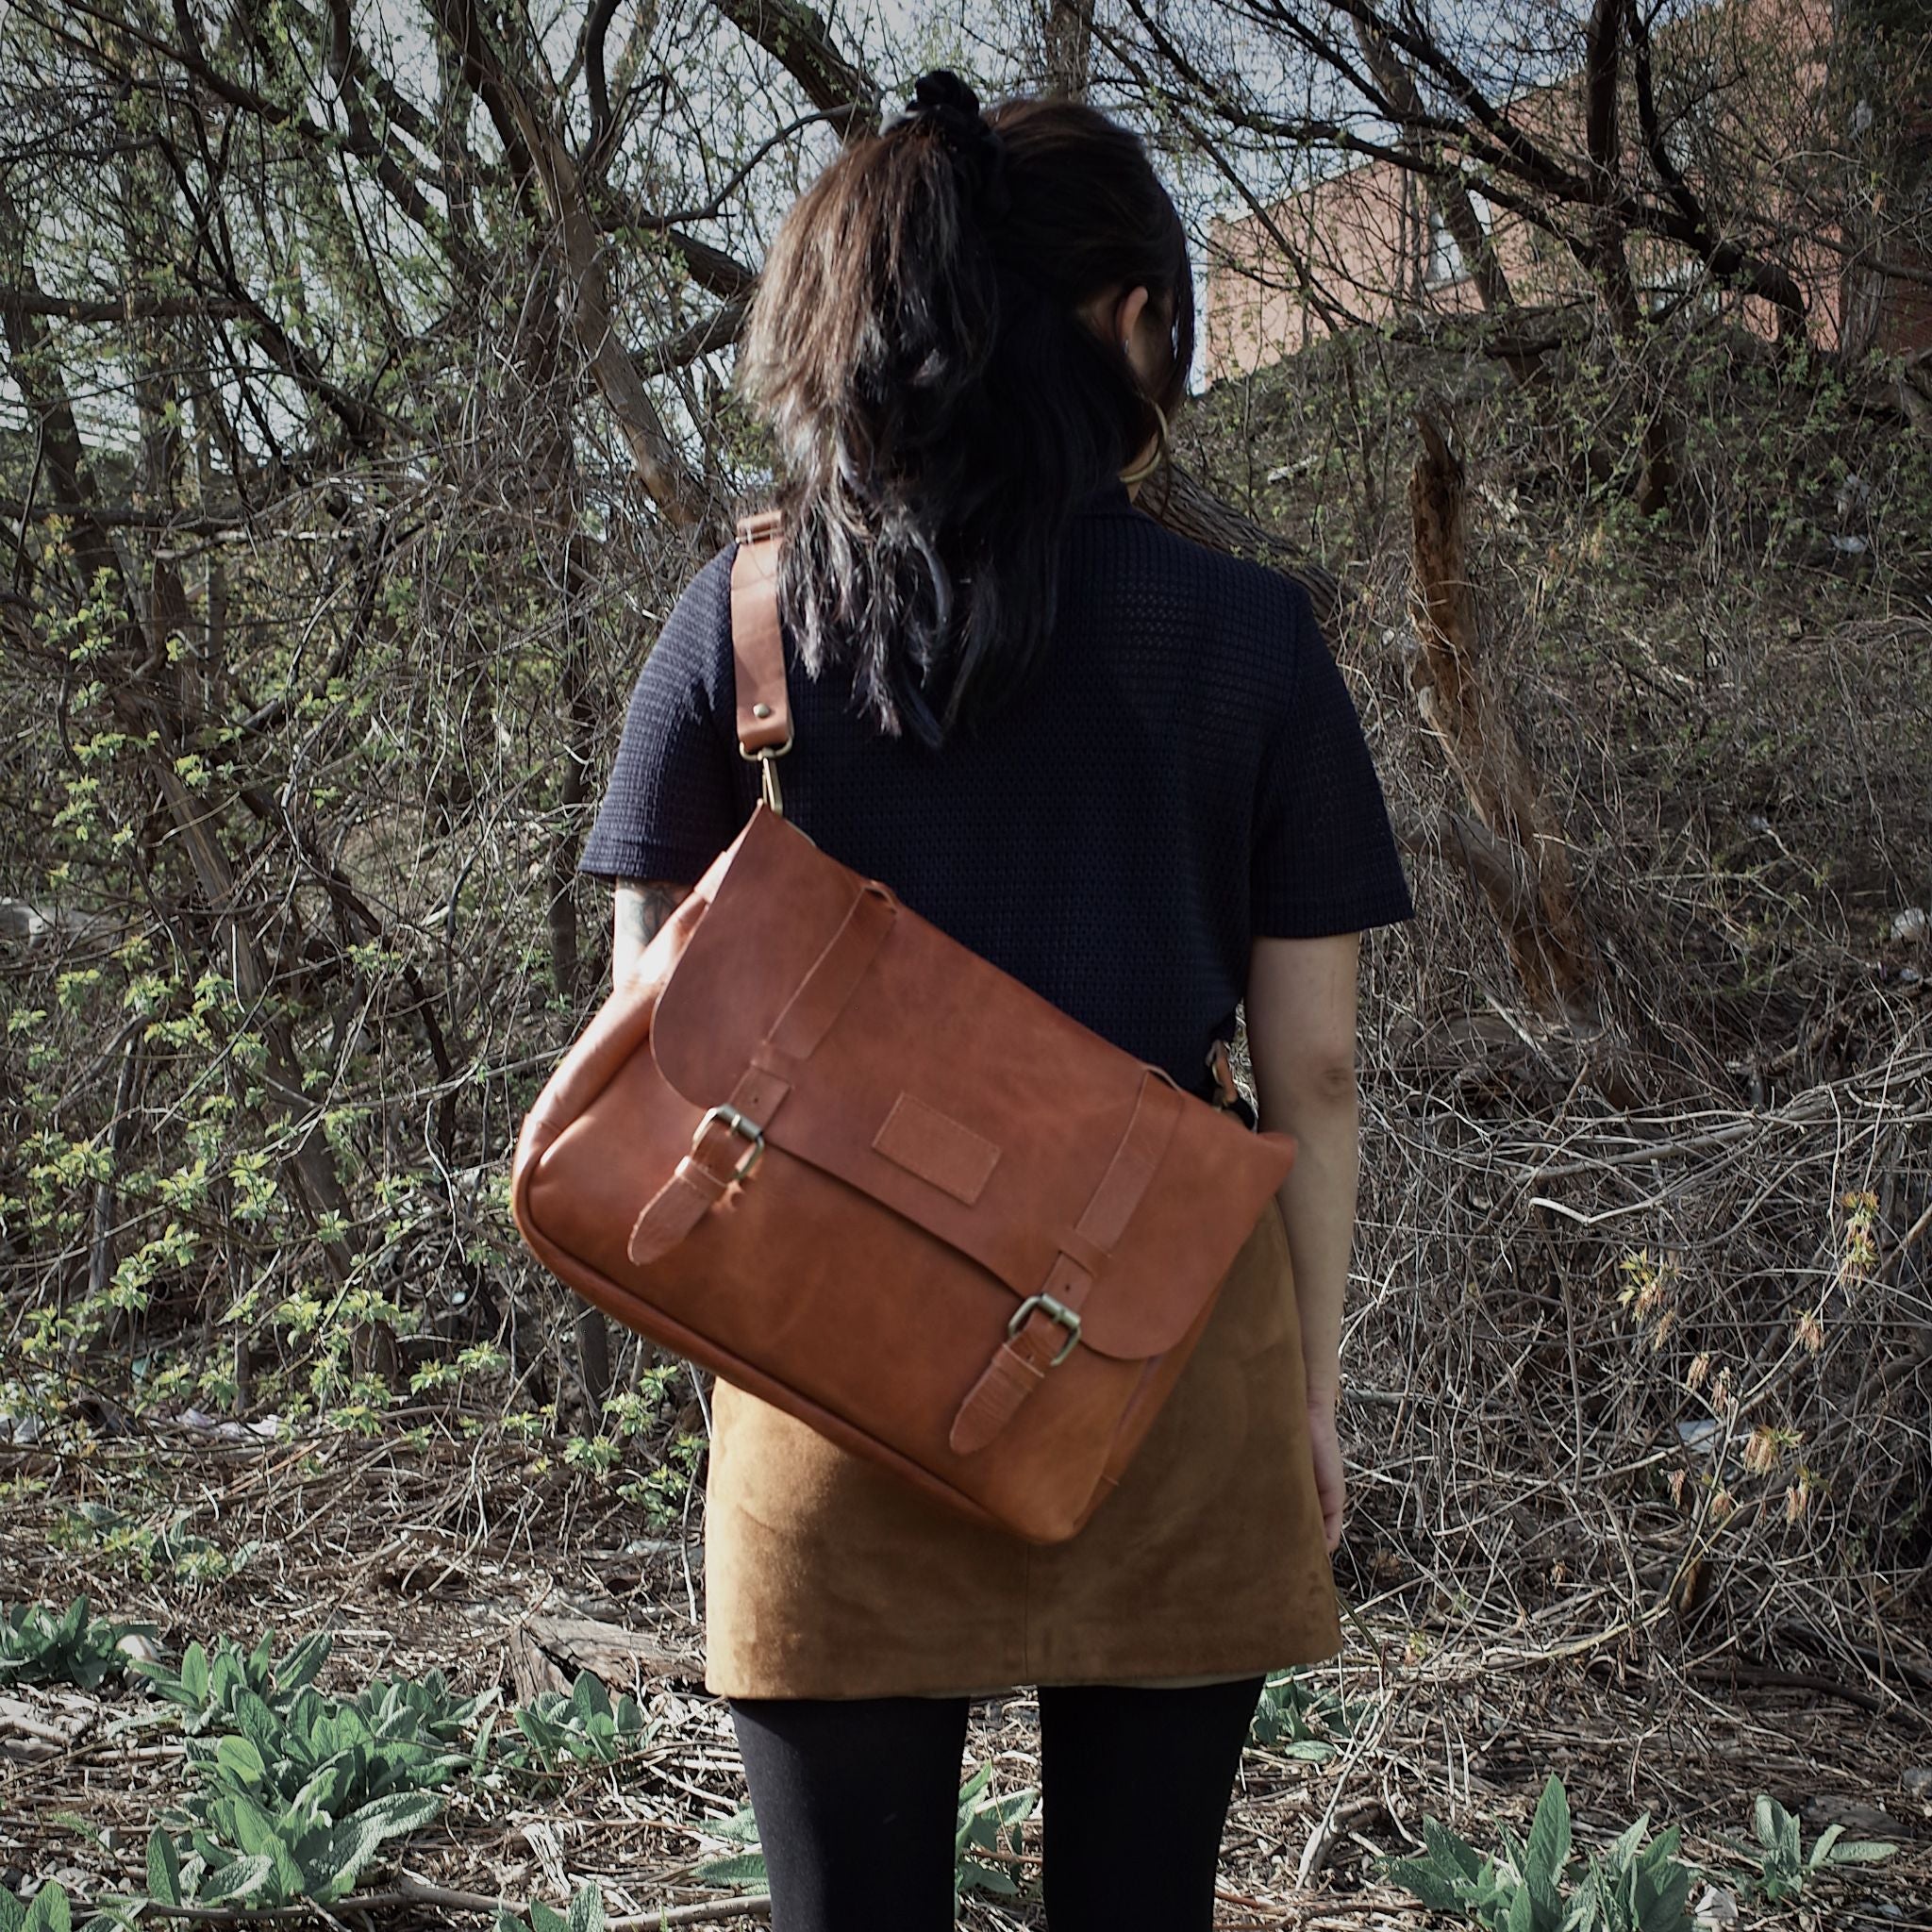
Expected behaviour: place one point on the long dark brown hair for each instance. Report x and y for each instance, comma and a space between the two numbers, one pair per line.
939, 405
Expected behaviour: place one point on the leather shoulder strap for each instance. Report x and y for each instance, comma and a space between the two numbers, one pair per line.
758, 649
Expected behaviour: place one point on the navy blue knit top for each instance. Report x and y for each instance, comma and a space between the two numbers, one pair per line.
1186, 774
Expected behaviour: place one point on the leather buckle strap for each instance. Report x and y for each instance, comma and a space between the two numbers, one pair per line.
740, 1124
1046, 1328
1068, 1318
758, 651
824, 993
695, 1186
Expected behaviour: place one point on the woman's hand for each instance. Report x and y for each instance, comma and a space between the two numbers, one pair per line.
1329, 1484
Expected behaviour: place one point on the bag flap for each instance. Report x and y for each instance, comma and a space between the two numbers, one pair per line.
956, 1097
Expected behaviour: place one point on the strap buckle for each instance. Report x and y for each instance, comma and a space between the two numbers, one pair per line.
745, 1128
1055, 1310
767, 772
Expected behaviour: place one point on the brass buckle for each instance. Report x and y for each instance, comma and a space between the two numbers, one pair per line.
744, 1129
1055, 1310
767, 772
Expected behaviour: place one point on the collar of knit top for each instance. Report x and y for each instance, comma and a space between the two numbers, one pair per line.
1110, 499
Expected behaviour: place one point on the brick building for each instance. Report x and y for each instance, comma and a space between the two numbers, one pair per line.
1744, 101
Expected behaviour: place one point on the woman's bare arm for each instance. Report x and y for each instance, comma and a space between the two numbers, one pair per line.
640, 907
1300, 1014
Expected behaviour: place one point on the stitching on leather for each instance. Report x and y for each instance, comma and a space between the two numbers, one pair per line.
933, 1145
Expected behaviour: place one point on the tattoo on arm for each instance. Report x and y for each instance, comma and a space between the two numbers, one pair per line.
640, 908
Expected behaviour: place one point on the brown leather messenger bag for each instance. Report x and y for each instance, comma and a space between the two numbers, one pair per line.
817, 1147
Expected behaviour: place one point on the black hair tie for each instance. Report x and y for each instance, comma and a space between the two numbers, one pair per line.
952, 108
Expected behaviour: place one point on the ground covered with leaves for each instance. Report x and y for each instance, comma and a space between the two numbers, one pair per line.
470, 1673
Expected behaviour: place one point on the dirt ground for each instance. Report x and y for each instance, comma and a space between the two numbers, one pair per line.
503, 1568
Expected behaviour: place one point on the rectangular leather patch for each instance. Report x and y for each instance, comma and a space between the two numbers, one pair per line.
937, 1148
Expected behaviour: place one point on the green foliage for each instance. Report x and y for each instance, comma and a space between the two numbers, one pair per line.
582, 1727
73, 1647
746, 1869
1527, 1886
1783, 1864
148, 1549
268, 1854
983, 1822
987, 1828
51, 1911
1300, 1719
209, 1691
294, 1791
586, 1914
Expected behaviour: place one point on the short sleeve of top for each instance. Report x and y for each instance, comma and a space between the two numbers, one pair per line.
671, 804
1325, 859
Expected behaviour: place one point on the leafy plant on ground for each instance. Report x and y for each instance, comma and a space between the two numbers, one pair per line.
113, 1538
296, 1791
982, 1822
209, 1689
746, 1869
53, 1911
49, 1912
265, 1856
987, 1828
586, 1914
37, 1645
583, 1727
1526, 1886
1783, 1864
1301, 1719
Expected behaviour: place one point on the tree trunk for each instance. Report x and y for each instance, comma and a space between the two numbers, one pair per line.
1069, 47
1607, 258
1447, 196
1524, 866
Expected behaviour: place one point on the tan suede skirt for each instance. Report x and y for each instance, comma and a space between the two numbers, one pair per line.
825, 1576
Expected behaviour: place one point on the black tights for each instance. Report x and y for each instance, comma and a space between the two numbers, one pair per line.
856, 1801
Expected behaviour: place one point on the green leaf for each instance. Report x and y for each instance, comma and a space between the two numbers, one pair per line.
745, 1869
299, 1667
742, 1827
587, 1911
1862, 1851
546, 1918
1548, 1851
989, 1879
1440, 1890
12, 1913
257, 1723
1450, 1849
240, 1878
254, 1830
50, 1911
241, 1760
327, 1793
164, 1869
588, 1697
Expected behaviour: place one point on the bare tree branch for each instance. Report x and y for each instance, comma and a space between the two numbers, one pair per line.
800, 41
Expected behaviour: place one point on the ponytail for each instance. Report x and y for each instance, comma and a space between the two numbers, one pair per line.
939, 405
